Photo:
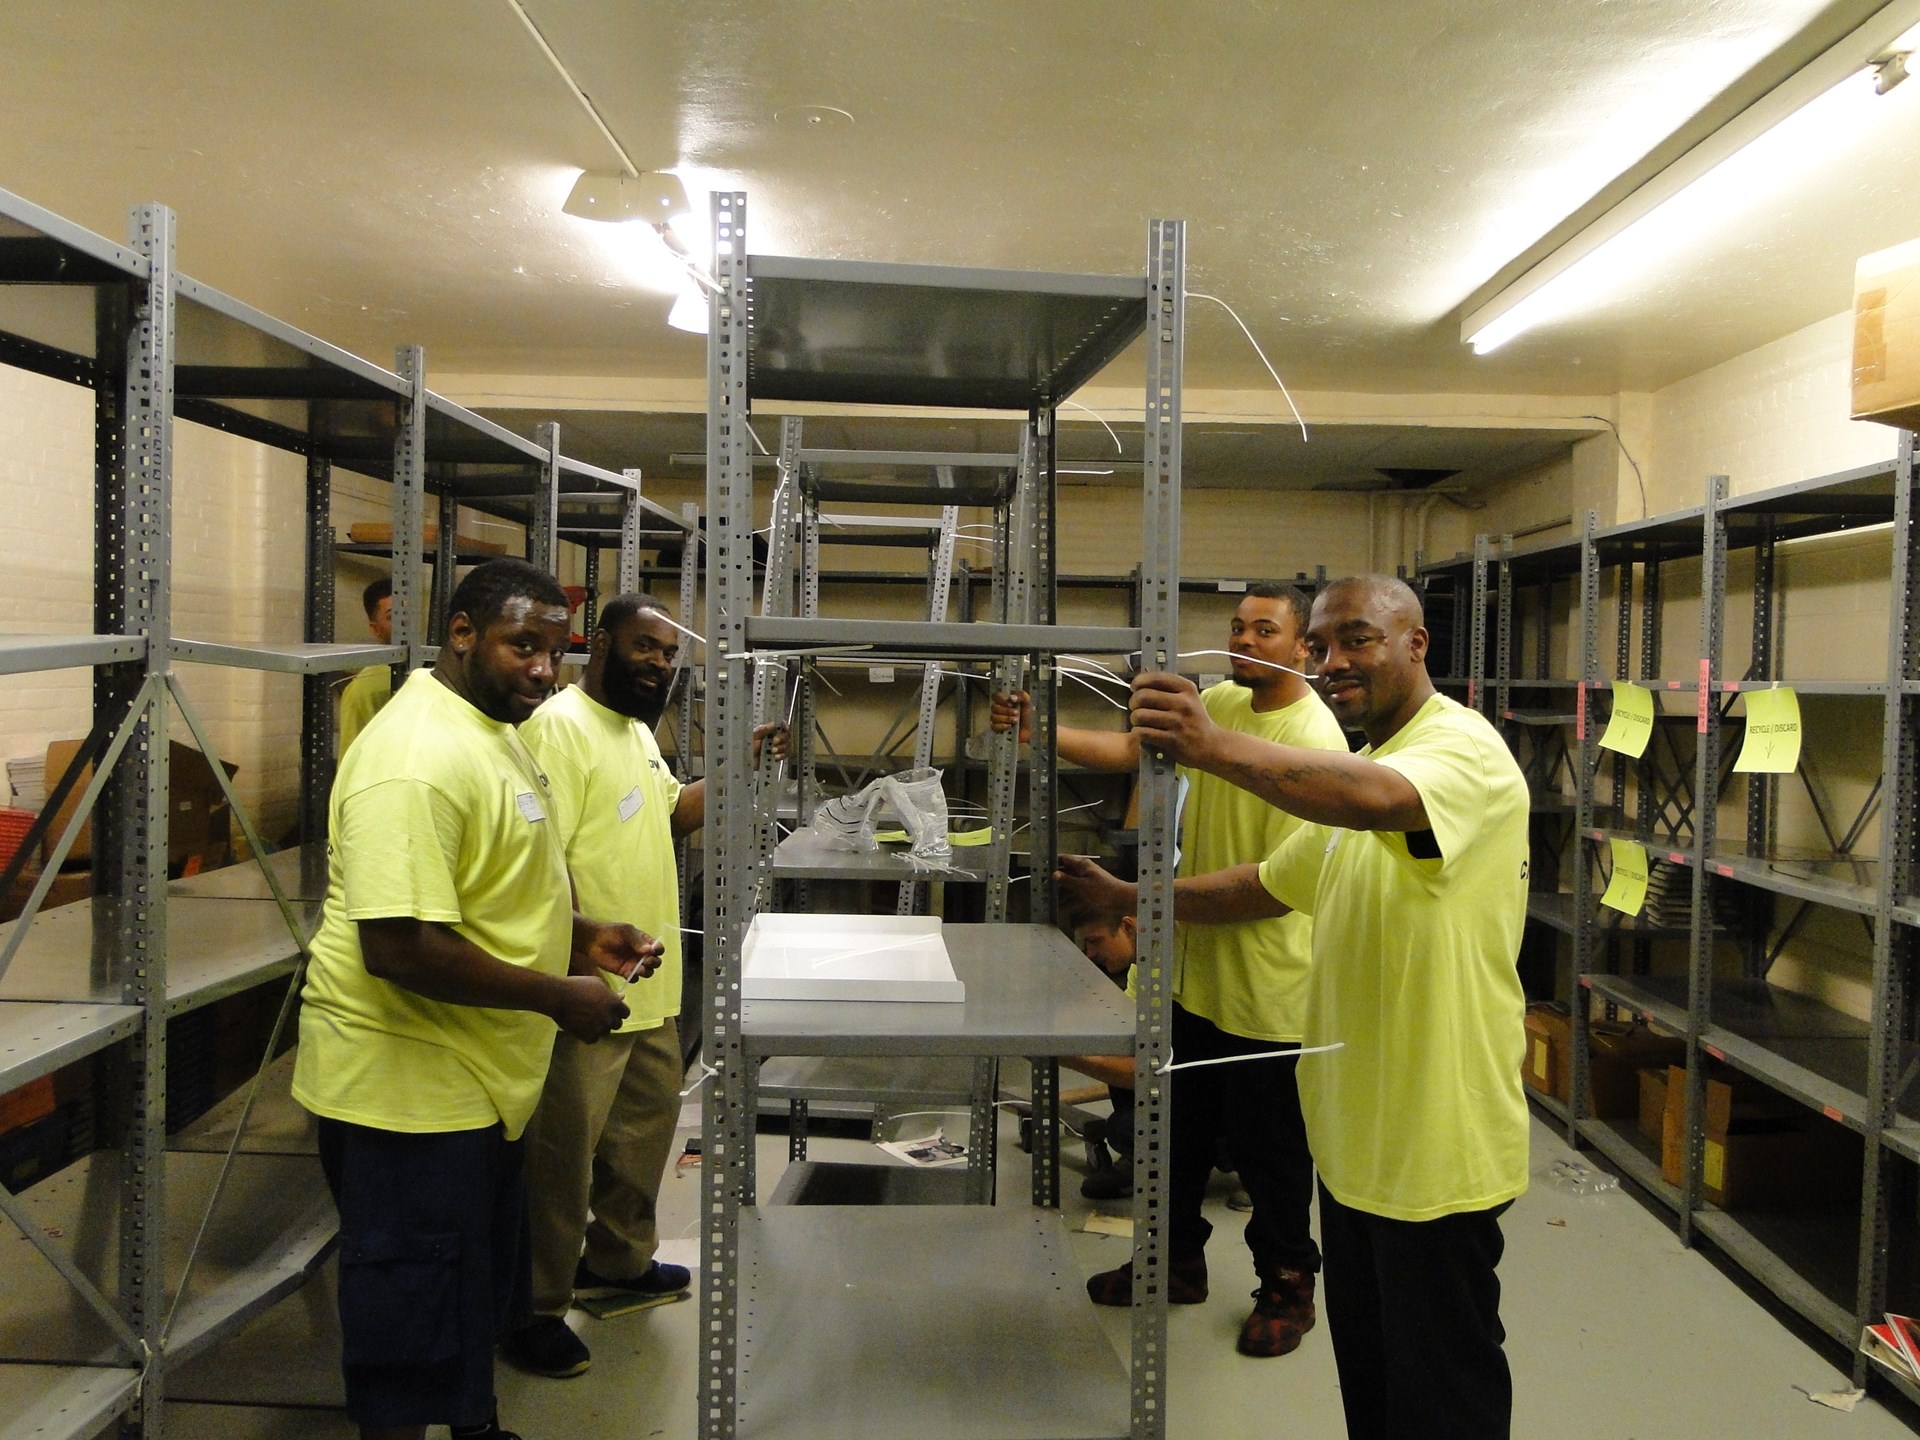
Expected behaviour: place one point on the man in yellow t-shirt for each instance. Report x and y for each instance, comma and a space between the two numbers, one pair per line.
1237, 989
448, 951
599, 1143
1414, 867
373, 686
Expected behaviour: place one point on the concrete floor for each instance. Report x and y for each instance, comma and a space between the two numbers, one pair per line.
1615, 1333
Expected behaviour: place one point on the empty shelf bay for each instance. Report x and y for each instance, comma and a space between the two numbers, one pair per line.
22, 653
39, 1036
62, 1402
292, 658
868, 1080
1029, 992
802, 856
853, 1326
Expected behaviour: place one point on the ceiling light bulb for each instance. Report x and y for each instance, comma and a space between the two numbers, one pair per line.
654, 195
690, 310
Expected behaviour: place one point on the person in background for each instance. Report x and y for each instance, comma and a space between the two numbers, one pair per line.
372, 687
1108, 941
1237, 990
448, 952
599, 1144
1413, 862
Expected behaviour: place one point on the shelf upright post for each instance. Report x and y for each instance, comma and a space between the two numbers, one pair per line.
626, 580
1013, 604
1706, 766
1763, 791
316, 696
1043, 601
805, 781
1503, 632
543, 519
770, 679
1477, 642
1646, 805
409, 506
689, 593
1159, 645
1586, 772
446, 560
134, 596
590, 582
1893, 942
913, 893
727, 1128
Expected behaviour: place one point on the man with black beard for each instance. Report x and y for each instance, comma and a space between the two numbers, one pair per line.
598, 1146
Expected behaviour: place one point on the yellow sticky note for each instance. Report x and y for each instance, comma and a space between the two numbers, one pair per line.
982, 836
1772, 744
1627, 890
1631, 724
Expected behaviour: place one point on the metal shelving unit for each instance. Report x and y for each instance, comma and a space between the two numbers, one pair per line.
857, 333
1837, 1266
154, 1252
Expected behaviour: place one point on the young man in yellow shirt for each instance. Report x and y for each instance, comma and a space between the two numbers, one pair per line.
1237, 989
599, 1143
369, 690
448, 952
1414, 866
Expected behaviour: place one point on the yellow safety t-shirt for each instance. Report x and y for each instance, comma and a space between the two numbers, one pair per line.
613, 799
1249, 980
1421, 1115
363, 698
438, 813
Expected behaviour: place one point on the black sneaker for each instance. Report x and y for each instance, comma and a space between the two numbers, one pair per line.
546, 1346
656, 1279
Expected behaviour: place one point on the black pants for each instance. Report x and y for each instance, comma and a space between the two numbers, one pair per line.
1255, 1108
1414, 1310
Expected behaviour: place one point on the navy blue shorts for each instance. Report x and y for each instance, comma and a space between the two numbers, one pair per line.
432, 1234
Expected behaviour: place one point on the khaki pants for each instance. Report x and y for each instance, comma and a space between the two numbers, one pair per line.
597, 1150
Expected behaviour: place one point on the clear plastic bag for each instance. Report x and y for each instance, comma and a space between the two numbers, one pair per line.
914, 798
1571, 1177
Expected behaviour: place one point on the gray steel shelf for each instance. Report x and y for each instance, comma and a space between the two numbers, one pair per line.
1843, 882
1763, 1261
1556, 911
21, 654
918, 639
927, 1320
868, 1080
277, 1125
848, 331
802, 857
1029, 992
1552, 718
1903, 1138
38, 1037
818, 1182
1828, 1073
1662, 999
301, 871
62, 1402
291, 658
1636, 1157
215, 948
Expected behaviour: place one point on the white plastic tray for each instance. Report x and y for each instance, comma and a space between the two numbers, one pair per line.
847, 957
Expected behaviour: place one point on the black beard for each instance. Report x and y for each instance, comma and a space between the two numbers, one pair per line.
626, 696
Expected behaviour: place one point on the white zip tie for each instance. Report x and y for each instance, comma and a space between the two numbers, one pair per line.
1118, 448
1246, 660
678, 626
1196, 295
707, 1072
1263, 1055
1104, 698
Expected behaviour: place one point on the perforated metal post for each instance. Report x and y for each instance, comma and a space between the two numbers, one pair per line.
1763, 791
409, 505
806, 783
543, 515
1893, 944
727, 1124
1477, 643
1587, 766
627, 577
133, 596
770, 678
912, 898
446, 564
316, 695
1713, 610
1503, 632
1160, 642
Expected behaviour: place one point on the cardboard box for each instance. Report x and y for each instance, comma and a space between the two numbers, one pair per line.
1886, 337
200, 826
1763, 1150
371, 532
33, 1101
1653, 1101
68, 886
1617, 1054
1549, 1038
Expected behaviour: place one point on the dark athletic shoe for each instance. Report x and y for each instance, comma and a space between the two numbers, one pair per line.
1282, 1314
547, 1347
1186, 1283
656, 1279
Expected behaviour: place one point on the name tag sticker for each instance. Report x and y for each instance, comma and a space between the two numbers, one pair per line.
630, 804
529, 804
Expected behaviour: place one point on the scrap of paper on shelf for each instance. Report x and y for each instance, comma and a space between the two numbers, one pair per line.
1627, 890
981, 836
1772, 744
1631, 724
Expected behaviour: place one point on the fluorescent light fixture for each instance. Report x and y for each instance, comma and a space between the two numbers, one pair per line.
1793, 128
654, 195
690, 309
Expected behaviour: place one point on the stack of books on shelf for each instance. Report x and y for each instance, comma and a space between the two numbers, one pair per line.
1894, 1345
1669, 895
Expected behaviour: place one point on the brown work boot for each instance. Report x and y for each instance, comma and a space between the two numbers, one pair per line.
1186, 1283
1282, 1314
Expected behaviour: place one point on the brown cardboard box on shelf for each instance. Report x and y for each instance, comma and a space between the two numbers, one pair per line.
1549, 1035
68, 886
199, 828
1763, 1150
1653, 1101
371, 532
1886, 337
1618, 1052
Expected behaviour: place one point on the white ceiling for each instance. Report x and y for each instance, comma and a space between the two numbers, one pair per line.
1352, 170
